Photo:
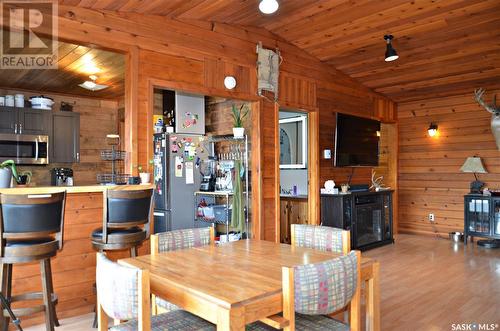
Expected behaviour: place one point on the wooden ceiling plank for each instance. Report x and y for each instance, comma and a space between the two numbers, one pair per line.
423, 44
475, 58
461, 43
437, 24
279, 21
343, 14
382, 21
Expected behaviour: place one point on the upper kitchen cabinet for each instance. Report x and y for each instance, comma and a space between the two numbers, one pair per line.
34, 121
8, 118
25, 121
65, 137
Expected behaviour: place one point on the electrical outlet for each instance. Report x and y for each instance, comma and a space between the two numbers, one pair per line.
431, 218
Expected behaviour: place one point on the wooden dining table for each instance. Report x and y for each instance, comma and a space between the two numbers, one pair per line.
240, 282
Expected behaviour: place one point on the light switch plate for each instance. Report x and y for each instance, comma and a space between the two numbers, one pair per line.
327, 154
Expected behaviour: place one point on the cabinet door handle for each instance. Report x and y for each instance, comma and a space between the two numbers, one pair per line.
20, 128
78, 157
36, 148
15, 128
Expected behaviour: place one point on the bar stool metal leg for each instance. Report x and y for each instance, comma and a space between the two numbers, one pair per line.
4, 320
47, 295
51, 290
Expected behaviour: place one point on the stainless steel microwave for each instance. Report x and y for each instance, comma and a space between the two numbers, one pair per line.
24, 148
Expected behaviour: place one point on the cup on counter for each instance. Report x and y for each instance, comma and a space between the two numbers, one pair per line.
9, 101
344, 188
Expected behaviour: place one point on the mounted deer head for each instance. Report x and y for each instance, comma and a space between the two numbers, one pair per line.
494, 109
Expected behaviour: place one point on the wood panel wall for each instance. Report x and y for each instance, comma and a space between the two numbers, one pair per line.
430, 180
194, 56
98, 117
360, 175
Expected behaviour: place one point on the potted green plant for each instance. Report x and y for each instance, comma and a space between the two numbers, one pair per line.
145, 176
8, 171
238, 117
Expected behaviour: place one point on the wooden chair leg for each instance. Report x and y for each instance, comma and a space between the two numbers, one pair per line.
47, 297
51, 288
133, 251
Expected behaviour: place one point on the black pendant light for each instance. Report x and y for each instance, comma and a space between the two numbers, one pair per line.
390, 52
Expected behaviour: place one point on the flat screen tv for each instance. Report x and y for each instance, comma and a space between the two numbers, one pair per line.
356, 141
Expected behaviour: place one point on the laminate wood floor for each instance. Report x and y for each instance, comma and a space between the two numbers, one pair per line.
426, 284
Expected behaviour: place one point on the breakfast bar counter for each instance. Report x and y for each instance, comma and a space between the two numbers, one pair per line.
70, 189
73, 269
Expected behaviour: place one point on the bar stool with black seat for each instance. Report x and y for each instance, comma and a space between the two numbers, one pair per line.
31, 230
124, 211
123, 214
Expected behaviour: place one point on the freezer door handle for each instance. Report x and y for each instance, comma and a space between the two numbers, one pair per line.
159, 213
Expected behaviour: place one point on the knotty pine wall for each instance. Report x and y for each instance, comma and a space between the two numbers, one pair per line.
195, 56
430, 180
98, 117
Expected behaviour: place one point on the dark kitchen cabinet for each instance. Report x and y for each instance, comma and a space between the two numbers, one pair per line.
367, 215
8, 117
25, 121
65, 138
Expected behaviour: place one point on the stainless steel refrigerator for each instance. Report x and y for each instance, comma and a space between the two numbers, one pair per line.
176, 177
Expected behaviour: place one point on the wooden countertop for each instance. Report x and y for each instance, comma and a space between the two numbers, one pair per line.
294, 197
71, 189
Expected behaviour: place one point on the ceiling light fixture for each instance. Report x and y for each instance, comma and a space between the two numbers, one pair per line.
268, 6
92, 85
230, 82
432, 130
390, 52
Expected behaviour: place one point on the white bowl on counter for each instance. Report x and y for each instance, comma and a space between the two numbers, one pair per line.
41, 102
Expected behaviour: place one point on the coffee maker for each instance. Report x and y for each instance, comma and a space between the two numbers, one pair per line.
207, 170
62, 176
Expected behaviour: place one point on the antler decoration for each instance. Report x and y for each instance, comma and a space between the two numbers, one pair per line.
376, 182
492, 108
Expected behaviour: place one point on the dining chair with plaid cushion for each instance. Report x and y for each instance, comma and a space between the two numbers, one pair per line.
172, 241
123, 294
322, 238
313, 291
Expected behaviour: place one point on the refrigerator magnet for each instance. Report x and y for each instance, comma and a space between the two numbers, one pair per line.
178, 166
189, 173
174, 148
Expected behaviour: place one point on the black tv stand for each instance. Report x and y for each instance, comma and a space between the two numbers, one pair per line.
367, 214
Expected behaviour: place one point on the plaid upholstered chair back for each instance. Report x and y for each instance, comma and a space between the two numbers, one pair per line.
182, 239
323, 288
322, 238
117, 289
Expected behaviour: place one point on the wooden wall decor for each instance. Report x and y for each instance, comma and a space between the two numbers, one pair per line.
430, 180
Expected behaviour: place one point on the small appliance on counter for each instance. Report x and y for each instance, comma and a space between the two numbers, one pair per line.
62, 176
207, 170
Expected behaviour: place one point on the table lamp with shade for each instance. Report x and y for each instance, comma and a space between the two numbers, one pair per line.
474, 165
